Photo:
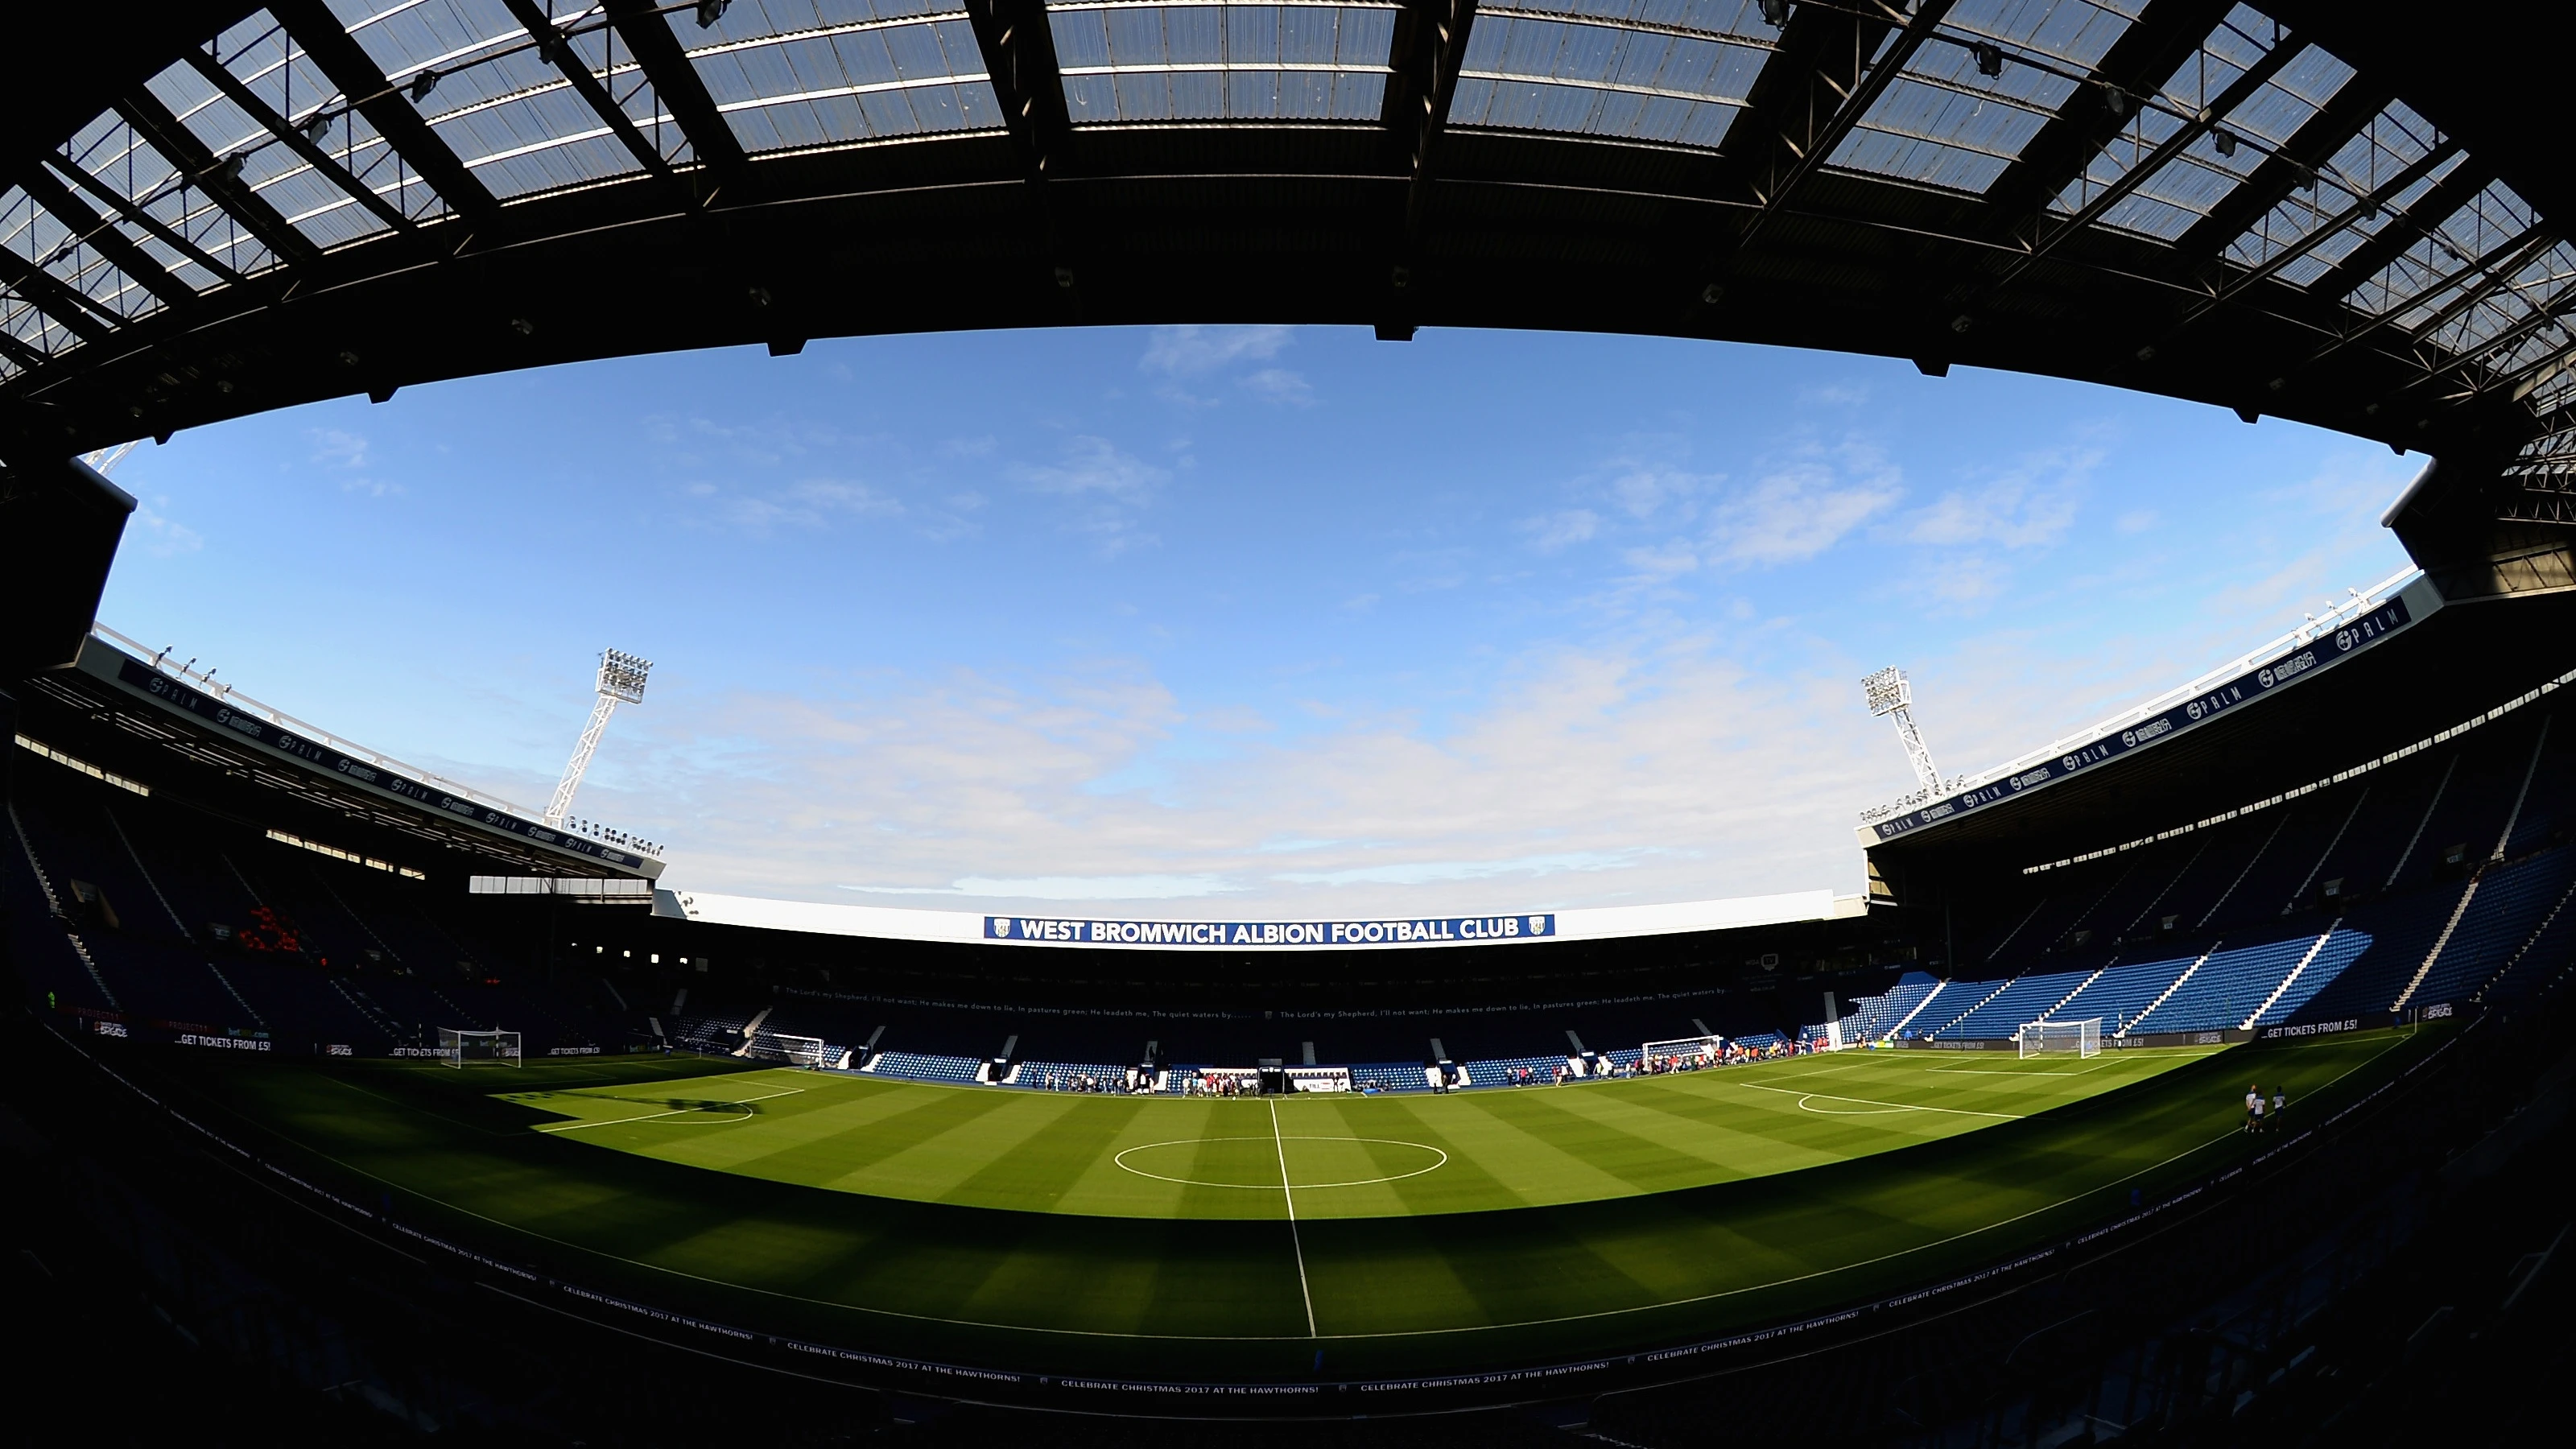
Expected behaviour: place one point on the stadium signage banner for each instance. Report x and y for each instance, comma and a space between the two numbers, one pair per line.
137, 675
1432, 931
2253, 684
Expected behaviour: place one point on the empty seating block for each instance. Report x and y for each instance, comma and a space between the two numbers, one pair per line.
2227, 987
2026, 999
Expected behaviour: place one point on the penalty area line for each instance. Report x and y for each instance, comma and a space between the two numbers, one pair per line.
1868, 1102
1295, 1239
674, 1112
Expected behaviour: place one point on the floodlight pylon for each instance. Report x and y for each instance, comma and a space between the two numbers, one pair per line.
621, 681
1889, 694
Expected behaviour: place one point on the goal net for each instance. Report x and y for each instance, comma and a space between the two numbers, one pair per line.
1696, 1050
459, 1047
2061, 1038
778, 1046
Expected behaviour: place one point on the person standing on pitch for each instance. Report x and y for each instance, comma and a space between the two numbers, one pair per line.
2253, 1109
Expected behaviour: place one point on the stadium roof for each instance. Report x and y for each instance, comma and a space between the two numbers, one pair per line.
2452, 669
208, 210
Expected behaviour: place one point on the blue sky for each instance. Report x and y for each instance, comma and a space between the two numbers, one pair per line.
1201, 621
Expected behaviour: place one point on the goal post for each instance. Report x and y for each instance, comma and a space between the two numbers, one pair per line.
1699, 1049
463, 1046
2061, 1038
779, 1046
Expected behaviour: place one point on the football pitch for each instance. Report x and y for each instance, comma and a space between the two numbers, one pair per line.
1319, 1156
1223, 1239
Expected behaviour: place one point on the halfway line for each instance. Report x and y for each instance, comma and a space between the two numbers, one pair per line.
1294, 1240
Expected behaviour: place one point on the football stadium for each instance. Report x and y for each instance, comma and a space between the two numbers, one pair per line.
350, 1100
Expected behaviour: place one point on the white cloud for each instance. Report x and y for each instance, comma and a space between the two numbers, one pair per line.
814, 503
1096, 467
1654, 769
1070, 887
1560, 530
1279, 385
1803, 507
1110, 487
1426, 872
1193, 350
2030, 505
164, 536
345, 452
1834, 395
335, 448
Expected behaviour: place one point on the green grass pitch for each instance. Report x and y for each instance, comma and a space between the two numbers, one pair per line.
1182, 1237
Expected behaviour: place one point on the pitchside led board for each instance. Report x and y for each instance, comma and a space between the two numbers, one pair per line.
2290, 666
1433, 931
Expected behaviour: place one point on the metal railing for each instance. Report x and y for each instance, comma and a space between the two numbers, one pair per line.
2357, 603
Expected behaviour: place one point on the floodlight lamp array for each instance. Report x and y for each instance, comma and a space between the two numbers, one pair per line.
621, 676
1887, 691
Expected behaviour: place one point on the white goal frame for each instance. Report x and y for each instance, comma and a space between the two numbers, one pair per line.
779, 1046
460, 1045
2056, 1038
1709, 1048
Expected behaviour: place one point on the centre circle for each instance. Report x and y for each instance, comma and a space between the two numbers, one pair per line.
1255, 1162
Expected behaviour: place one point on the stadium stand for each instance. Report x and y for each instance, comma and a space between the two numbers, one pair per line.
1875, 1018
1047, 1076
2024, 998
1506, 1071
917, 1067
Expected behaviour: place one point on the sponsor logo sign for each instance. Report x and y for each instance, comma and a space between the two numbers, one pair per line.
1417, 931
2253, 684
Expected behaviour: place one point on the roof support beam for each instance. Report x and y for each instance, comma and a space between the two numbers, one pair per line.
2430, 210
555, 46
27, 358
2515, 335
171, 137
51, 296
97, 232
2294, 165
137, 216
330, 46
1430, 45
2237, 93
2499, 265
1020, 61
295, 140
2134, 67
1817, 86
666, 64
2371, 205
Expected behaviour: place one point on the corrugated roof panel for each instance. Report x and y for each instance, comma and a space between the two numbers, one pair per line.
1943, 123
851, 75
1533, 72
1142, 60
2447, 255
43, 239
2377, 154
506, 112
268, 63
2191, 184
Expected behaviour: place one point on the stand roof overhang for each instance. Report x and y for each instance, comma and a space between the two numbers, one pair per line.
213, 210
